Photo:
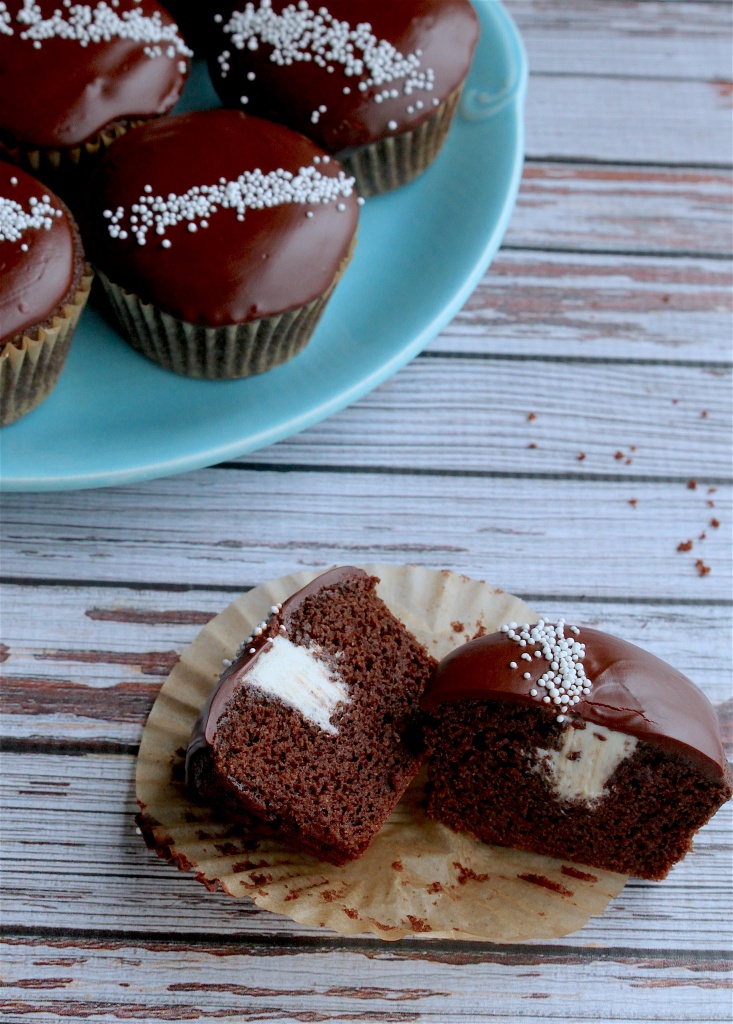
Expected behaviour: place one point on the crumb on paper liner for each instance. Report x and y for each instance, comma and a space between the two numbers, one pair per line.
418, 876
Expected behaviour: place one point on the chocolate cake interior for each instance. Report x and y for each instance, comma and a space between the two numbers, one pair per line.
512, 775
315, 728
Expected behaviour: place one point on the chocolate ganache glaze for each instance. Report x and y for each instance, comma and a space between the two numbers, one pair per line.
235, 675
343, 72
625, 689
67, 71
219, 218
41, 258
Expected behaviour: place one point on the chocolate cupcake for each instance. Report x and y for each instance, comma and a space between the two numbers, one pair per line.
44, 285
219, 238
575, 744
314, 727
73, 78
375, 83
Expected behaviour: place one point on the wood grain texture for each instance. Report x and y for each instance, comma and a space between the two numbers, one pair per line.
158, 981
512, 530
607, 316
77, 864
634, 120
622, 209
580, 306
631, 422
95, 673
635, 39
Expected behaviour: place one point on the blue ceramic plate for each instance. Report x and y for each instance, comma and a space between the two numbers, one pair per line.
115, 418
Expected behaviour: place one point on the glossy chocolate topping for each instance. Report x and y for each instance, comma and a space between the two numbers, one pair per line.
56, 90
631, 691
216, 264
234, 676
37, 263
407, 56
195, 20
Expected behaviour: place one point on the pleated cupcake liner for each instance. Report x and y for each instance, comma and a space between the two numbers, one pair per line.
66, 169
398, 159
215, 353
30, 367
417, 876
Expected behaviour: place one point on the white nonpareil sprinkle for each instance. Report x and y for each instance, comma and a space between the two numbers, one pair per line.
252, 190
87, 23
15, 221
301, 33
6, 28
564, 683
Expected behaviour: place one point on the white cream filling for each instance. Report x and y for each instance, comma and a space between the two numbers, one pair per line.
580, 769
295, 676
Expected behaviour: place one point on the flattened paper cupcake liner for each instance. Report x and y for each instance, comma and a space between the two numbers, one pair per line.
215, 353
30, 367
398, 159
417, 877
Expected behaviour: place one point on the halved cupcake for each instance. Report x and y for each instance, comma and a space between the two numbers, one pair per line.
314, 727
575, 744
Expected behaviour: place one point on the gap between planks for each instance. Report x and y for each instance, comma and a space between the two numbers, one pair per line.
464, 952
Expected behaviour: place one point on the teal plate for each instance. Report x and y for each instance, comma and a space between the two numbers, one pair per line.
115, 418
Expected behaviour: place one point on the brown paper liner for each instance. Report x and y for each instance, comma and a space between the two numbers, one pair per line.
66, 169
31, 366
398, 159
216, 353
417, 877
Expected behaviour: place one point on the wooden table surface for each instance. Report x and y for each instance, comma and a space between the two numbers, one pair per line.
562, 438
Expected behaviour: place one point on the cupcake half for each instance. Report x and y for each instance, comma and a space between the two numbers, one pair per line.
375, 83
219, 238
575, 744
74, 77
44, 284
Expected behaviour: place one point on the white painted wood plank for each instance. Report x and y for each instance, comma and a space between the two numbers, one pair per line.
599, 307
623, 209
638, 39
95, 671
467, 414
629, 120
72, 860
147, 983
232, 527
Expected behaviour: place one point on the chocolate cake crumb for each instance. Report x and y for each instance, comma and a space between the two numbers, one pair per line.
685, 545
468, 874
702, 569
583, 876
547, 883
